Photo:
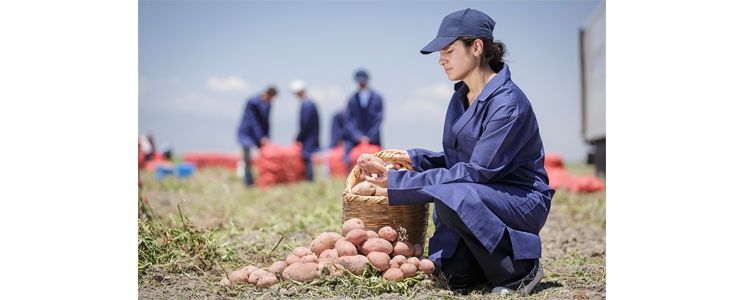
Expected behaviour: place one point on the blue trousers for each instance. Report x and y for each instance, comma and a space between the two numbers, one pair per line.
248, 179
309, 168
472, 264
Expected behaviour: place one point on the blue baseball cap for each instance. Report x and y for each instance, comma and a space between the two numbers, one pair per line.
466, 22
361, 76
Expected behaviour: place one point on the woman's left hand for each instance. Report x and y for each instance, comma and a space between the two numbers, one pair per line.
380, 181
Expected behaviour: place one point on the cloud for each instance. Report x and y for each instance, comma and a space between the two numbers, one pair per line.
329, 98
193, 104
230, 84
439, 91
199, 104
425, 103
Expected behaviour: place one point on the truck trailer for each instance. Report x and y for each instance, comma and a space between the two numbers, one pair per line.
593, 87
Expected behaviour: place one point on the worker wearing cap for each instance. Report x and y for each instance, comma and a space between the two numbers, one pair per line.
364, 115
489, 186
308, 130
254, 129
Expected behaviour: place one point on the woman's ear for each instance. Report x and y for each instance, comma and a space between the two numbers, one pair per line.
478, 47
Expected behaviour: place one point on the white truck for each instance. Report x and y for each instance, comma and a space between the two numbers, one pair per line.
593, 87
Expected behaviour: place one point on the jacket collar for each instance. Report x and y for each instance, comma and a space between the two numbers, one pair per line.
461, 91
496, 82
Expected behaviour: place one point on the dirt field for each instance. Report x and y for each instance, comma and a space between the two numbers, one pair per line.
231, 226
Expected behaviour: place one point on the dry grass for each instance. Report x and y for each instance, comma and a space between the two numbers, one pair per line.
232, 226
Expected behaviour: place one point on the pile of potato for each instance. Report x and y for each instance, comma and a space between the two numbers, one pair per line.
335, 254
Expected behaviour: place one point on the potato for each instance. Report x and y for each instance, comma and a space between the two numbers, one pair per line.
426, 266
408, 270
356, 236
379, 260
355, 264
301, 251
403, 248
322, 242
291, 259
323, 262
238, 276
278, 267
329, 254
345, 248
250, 269
309, 258
303, 272
333, 270
256, 275
381, 192
371, 234
387, 233
224, 282
393, 274
399, 259
413, 260
376, 244
335, 236
418, 250
241, 275
352, 223
267, 281
371, 164
364, 189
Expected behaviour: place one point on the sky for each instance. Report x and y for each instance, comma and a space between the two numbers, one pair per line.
199, 62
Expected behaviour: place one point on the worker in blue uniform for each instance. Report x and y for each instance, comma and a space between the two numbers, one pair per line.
308, 131
489, 186
338, 131
254, 129
364, 115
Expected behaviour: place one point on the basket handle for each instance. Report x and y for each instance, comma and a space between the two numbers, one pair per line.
387, 156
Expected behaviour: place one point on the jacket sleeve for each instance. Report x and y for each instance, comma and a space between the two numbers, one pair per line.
303, 123
337, 130
316, 126
353, 133
248, 119
254, 123
252, 119
377, 119
422, 159
491, 159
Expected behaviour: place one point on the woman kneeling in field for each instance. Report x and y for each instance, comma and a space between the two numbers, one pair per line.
489, 186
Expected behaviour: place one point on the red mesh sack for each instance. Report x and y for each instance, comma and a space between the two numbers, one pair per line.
360, 149
334, 159
278, 164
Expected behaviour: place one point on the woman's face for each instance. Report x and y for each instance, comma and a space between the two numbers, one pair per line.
457, 60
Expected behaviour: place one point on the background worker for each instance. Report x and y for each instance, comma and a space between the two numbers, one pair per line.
254, 129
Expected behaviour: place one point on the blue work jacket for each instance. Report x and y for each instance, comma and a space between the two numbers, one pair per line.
364, 121
338, 131
308, 133
491, 171
255, 122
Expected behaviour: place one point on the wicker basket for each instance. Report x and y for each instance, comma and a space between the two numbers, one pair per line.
409, 220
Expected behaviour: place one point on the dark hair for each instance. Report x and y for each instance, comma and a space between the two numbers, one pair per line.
271, 91
493, 51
